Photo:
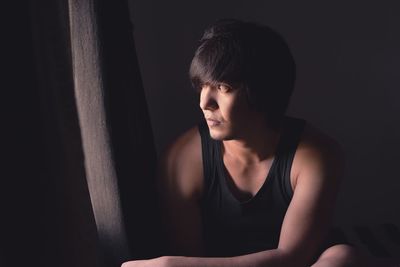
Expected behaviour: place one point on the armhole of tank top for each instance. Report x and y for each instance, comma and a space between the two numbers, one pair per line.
206, 157
296, 128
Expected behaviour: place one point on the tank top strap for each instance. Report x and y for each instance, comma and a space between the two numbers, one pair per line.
291, 135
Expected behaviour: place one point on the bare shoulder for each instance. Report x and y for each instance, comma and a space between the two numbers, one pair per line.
317, 152
181, 166
180, 176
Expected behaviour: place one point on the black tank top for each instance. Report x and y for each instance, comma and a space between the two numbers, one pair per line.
231, 227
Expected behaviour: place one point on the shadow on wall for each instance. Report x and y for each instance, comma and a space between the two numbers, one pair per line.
347, 57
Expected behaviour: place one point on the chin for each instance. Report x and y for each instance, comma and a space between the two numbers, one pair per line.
220, 135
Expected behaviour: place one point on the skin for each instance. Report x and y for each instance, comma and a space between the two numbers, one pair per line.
315, 177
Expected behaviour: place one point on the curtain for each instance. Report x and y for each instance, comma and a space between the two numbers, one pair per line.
81, 190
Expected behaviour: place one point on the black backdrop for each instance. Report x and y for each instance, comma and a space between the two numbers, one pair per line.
348, 81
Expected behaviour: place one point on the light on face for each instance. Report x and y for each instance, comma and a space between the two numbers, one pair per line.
208, 97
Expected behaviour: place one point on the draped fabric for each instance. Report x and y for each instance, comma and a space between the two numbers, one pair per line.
92, 195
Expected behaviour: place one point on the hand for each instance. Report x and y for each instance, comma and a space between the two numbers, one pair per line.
156, 262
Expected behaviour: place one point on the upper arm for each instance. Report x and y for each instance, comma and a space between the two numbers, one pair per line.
318, 166
180, 176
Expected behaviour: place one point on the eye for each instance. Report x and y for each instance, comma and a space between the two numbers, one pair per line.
224, 88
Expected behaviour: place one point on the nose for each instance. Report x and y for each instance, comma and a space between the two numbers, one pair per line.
207, 98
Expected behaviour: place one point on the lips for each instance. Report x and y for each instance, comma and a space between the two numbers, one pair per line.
213, 122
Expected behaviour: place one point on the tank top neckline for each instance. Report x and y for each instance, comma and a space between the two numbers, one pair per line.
223, 172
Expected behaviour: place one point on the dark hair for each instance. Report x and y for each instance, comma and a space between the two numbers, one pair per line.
249, 56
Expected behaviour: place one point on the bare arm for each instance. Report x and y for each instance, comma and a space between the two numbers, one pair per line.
318, 168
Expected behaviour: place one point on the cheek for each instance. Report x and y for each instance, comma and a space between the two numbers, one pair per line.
235, 110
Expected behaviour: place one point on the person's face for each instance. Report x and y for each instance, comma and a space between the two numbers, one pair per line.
226, 110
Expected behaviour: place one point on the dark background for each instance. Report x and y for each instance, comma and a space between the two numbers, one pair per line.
347, 53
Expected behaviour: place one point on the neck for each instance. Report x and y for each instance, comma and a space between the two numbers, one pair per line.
253, 146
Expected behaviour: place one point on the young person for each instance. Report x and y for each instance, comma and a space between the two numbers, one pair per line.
249, 186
